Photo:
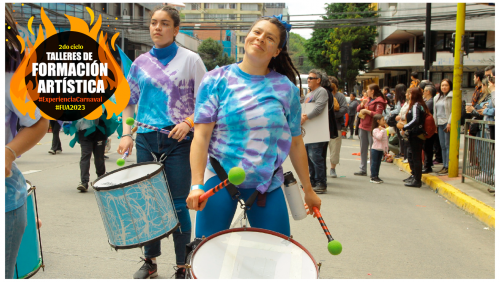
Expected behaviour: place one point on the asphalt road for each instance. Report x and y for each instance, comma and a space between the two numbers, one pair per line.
387, 230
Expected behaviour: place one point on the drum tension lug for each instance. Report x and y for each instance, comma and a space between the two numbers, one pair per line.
188, 266
290, 237
319, 266
203, 237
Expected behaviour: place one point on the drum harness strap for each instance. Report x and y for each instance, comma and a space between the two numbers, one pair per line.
235, 194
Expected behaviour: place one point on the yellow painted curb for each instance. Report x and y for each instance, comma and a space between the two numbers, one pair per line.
477, 208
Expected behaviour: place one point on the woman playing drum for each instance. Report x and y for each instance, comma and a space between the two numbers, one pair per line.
17, 143
163, 83
248, 115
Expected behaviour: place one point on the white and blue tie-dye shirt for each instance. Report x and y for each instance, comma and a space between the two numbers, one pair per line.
164, 87
256, 117
15, 186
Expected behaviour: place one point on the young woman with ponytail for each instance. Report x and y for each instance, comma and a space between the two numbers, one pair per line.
248, 115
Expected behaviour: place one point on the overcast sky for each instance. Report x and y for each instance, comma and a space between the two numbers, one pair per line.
304, 8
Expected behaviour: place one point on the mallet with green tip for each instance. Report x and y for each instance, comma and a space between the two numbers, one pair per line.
121, 162
131, 121
334, 246
236, 176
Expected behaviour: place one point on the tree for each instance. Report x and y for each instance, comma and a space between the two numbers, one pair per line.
362, 38
324, 47
296, 49
211, 52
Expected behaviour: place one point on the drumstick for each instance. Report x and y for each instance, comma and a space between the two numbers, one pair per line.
132, 121
236, 176
121, 161
334, 246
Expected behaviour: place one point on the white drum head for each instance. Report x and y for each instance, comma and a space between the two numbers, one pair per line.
127, 175
251, 254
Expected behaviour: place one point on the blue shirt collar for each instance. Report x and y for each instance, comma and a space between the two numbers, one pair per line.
166, 54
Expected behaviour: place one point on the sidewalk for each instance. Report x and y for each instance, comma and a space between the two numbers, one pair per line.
469, 196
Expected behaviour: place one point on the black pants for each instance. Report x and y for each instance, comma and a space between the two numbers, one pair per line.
403, 145
94, 143
437, 149
350, 124
56, 142
357, 126
429, 150
415, 156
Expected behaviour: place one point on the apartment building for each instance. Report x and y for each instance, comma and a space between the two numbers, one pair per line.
131, 20
399, 47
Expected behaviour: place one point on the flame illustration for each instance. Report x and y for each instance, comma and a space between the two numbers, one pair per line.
19, 89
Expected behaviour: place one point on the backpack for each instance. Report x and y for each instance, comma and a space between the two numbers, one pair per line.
429, 126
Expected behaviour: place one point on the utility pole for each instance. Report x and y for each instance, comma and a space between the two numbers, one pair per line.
428, 47
456, 106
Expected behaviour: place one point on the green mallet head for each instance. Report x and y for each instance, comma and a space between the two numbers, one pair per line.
120, 162
129, 121
236, 175
334, 247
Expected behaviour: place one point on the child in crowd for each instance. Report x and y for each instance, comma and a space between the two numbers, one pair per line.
380, 146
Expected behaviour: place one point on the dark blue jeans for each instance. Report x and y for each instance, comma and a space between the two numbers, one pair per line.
375, 162
317, 162
178, 173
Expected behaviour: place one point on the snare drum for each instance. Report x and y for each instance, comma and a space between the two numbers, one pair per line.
29, 258
135, 205
251, 253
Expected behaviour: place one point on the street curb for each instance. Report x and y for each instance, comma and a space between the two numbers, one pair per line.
480, 210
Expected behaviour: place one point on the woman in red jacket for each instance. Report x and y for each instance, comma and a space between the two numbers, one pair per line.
368, 108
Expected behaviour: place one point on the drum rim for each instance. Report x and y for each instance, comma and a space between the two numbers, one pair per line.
256, 230
116, 247
126, 184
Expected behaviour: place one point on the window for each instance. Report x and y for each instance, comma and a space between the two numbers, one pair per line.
192, 6
249, 7
232, 6
241, 50
479, 40
193, 16
440, 42
436, 77
448, 75
221, 16
249, 18
242, 39
465, 79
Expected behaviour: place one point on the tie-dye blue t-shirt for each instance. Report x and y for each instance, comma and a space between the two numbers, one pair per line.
256, 117
165, 94
15, 186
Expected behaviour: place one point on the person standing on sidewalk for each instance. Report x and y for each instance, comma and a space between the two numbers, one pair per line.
163, 85
379, 148
336, 143
429, 93
353, 105
56, 141
442, 118
318, 96
414, 131
367, 110
414, 79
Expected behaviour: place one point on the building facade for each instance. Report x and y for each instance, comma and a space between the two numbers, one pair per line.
131, 20
399, 47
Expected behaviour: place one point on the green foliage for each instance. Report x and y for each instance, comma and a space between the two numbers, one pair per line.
211, 52
324, 47
296, 48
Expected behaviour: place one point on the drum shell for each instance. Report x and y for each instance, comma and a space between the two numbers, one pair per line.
29, 257
257, 265
135, 214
